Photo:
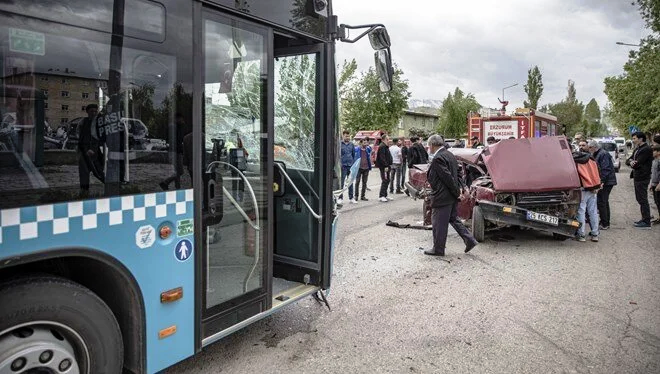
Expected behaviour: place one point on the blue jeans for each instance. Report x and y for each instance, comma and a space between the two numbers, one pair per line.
588, 205
345, 171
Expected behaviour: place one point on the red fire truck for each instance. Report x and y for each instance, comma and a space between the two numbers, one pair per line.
523, 123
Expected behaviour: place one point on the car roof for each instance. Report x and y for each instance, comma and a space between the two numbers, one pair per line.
603, 140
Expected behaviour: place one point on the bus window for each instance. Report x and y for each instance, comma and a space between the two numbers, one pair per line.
63, 74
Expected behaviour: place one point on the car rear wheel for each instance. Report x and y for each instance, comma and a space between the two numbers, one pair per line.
52, 325
478, 224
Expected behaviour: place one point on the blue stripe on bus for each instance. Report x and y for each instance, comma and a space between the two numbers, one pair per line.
111, 226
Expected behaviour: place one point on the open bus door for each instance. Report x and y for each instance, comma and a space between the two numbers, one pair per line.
265, 235
302, 227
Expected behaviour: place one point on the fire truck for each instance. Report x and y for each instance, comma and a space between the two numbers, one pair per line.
522, 123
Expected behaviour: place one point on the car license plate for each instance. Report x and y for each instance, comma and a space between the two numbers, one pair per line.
550, 220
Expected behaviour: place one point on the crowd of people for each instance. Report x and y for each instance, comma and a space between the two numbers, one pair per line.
645, 164
595, 168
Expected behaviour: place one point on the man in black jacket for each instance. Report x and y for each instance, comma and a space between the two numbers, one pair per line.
384, 163
90, 156
640, 162
446, 190
417, 154
608, 180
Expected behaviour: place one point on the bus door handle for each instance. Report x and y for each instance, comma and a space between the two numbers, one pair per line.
319, 217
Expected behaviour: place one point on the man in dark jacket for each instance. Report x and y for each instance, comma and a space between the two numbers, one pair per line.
404, 165
641, 161
608, 180
384, 163
446, 189
347, 150
417, 154
90, 156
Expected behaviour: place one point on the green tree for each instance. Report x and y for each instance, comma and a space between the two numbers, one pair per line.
650, 11
635, 94
454, 111
365, 107
569, 111
592, 119
534, 87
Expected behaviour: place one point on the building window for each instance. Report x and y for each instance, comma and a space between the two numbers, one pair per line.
83, 108
63, 80
64, 120
65, 107
65, 93
45, 92
85, 83
45, 104
96, 95
85, 95
44, 78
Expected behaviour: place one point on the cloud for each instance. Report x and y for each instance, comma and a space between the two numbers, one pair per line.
482, 46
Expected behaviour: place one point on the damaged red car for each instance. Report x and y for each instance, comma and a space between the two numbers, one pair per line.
530, 183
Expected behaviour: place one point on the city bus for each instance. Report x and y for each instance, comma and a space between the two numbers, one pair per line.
118, 257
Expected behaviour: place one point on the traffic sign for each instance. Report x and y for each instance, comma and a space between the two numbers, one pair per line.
25, 41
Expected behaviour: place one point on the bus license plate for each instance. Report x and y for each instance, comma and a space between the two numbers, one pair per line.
551, 220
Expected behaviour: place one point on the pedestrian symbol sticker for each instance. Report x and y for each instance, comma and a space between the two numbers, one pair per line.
183, 250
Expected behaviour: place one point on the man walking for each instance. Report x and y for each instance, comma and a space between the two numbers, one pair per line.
347, 150
641, 161
384, 163
395, 175
363, 152
655, 176
445, 193
607, 179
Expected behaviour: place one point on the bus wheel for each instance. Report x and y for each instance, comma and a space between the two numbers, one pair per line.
52, 325
478, 224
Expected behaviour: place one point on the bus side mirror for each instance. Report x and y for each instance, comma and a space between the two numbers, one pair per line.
384, 69
379, 38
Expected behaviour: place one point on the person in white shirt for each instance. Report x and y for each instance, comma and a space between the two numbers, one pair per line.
395, 172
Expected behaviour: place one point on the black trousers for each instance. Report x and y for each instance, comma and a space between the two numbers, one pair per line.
441, 219
642, 197
363, 176
384, 182
656, 198
603, 202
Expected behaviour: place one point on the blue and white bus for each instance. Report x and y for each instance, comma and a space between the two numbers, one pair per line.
166, 174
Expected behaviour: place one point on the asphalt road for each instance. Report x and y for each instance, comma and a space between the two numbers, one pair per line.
519, 303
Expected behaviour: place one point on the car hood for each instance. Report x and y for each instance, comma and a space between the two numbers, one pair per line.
531, 165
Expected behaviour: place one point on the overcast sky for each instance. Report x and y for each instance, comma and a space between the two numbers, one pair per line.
482, 46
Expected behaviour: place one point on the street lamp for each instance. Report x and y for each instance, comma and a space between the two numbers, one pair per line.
632, 45
513, 85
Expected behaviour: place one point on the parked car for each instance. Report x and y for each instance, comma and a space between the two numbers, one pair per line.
529, 182
612, 148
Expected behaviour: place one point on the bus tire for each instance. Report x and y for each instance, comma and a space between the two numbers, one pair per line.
71, 325
478, 224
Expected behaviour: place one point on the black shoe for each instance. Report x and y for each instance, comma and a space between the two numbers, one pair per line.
164, 186
399, 192
470, 245
364, 198
642, 225
406, 192
431, 252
